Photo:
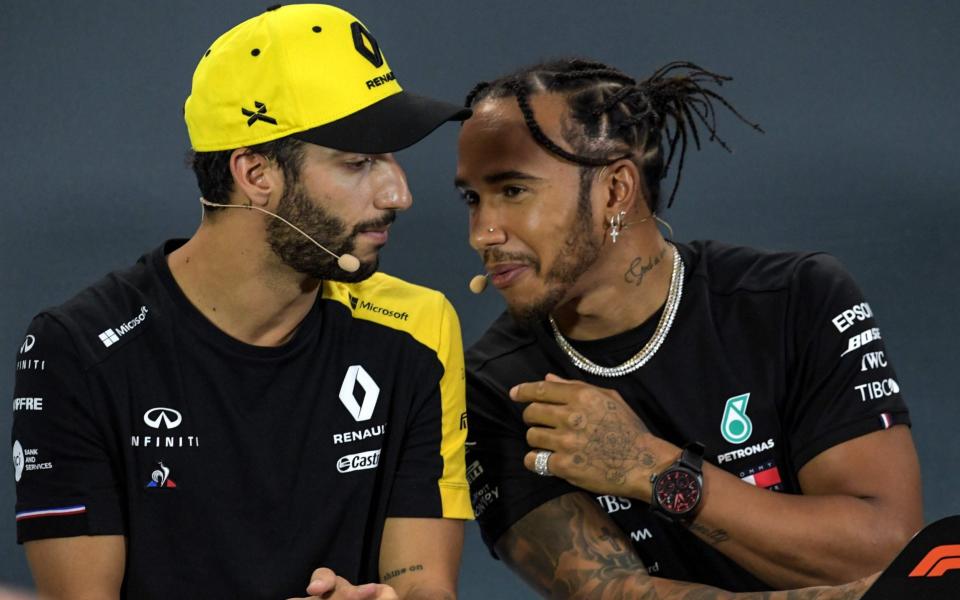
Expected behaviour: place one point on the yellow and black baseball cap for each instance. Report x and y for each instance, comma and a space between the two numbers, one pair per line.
310, 71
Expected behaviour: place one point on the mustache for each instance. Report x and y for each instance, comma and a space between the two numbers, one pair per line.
496, 255
378, 223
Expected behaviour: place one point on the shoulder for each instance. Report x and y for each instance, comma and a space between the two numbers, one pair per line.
728, 269
103, 316
391, 302
504, 338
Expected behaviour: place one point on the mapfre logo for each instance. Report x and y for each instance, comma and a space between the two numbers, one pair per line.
112, 335
938, 561
162, 415
357, 375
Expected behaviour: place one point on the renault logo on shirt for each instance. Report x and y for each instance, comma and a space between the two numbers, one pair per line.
361, 411
169, 417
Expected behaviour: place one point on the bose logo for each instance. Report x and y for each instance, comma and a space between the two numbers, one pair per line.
938, 561
361, 411
358, 462
160, 414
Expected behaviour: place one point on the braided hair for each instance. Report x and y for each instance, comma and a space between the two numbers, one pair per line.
616, 117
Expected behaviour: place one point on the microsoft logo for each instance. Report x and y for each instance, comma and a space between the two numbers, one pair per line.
108, 338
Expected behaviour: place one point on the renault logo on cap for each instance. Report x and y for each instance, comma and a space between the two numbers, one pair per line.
160, 414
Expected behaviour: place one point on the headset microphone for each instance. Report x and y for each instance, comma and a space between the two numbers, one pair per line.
478, 283
347, 262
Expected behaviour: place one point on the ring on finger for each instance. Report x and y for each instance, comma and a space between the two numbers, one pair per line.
541, 464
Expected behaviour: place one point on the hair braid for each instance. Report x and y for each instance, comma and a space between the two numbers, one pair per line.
618, 117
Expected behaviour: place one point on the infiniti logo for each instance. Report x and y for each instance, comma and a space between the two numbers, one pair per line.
168, 416
27, 345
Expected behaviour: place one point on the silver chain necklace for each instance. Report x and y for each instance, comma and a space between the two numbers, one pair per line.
649, 349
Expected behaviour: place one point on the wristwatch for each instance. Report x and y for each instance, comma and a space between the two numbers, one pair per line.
676, 491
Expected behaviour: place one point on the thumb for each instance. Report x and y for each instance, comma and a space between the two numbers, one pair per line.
367, 591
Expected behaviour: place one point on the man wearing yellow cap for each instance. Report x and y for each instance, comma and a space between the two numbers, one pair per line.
256, 408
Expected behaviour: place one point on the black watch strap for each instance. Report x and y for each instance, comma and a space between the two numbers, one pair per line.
692, 456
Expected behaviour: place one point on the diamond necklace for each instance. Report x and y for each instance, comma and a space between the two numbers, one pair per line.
649, 349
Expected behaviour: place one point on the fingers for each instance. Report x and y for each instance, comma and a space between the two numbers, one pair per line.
554, 392
322, 580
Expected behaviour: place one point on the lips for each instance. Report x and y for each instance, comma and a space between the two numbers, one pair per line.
376, 235
505, 274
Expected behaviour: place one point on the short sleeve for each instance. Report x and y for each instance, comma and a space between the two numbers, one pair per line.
432, 463
65, 482
843, 384
502, 490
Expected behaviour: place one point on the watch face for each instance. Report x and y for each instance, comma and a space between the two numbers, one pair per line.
677, 491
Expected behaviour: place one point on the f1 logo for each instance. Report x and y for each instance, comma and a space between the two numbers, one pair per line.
938, 561
361, 411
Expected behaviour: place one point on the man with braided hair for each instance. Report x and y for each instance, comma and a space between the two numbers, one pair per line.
694, 411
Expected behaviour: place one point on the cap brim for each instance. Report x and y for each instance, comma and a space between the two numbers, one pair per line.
392, 124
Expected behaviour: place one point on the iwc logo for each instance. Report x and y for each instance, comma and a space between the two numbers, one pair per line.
736, 426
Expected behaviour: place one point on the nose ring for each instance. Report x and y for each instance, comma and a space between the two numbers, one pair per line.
490, 230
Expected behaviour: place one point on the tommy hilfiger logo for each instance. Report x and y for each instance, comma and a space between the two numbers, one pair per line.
260, 115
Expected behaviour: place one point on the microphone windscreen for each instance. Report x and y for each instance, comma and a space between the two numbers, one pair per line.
348, 263
478, 284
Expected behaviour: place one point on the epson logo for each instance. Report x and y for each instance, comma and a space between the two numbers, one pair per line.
857, 312
358, 462
111, 336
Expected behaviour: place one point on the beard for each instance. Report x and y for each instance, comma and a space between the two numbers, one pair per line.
578, 254
301, 255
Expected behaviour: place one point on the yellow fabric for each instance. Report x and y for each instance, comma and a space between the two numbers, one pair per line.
303, 78
431, 320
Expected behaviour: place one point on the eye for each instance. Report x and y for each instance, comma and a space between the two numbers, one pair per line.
512, 191
469, 198
361, 163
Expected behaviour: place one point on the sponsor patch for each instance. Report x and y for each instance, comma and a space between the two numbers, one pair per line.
357, 375
862, 339
765, 476
160, 478
112, 335
736, 427
877, 389
745, 452
28, 459
854, 314
359, 461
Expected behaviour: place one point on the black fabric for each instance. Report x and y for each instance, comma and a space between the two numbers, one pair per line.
767, 324
392, 124
247, 435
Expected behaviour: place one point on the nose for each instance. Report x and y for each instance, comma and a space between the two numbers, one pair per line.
486, 230
394, 194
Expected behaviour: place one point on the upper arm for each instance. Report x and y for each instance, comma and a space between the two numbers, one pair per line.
79, 568
880, 467
420, 558
567, 545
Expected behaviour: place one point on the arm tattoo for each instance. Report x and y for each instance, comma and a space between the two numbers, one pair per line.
714, 536
568, 548
638, 270
402, 570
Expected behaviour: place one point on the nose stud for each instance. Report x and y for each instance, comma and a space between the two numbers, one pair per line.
490, 229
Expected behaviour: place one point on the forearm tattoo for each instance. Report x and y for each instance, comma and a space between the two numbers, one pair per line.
567, 548
638, 269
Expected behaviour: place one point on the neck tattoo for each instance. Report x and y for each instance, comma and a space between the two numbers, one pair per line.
638, 270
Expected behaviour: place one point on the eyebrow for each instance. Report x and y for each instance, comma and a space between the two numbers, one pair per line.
500, 176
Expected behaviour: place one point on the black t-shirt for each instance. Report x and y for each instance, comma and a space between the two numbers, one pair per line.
234, 470
772, 359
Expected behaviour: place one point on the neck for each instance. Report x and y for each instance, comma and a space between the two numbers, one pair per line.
241, 286
627, 285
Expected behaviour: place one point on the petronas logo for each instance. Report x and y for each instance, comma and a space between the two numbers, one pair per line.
736, 426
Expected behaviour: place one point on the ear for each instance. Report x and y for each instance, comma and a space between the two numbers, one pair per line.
622, 187
254, 177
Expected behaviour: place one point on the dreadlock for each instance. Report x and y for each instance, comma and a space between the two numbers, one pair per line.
616, 117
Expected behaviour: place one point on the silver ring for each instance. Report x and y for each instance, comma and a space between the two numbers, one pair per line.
541, 464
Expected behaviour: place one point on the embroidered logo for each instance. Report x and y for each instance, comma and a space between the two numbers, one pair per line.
160, 478
361, 411
736, 426
260, 115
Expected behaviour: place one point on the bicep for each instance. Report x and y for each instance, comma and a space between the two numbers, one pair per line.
421, 554
79, 568
879, 467
566, 544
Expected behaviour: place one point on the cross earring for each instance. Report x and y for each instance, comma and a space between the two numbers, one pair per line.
616, 224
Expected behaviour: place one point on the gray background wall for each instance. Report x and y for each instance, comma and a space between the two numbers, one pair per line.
860, 159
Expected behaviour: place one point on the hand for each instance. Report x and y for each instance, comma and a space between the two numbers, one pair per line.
598, 442
327, 585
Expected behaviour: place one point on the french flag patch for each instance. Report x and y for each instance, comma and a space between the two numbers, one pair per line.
886, 419
52, 512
